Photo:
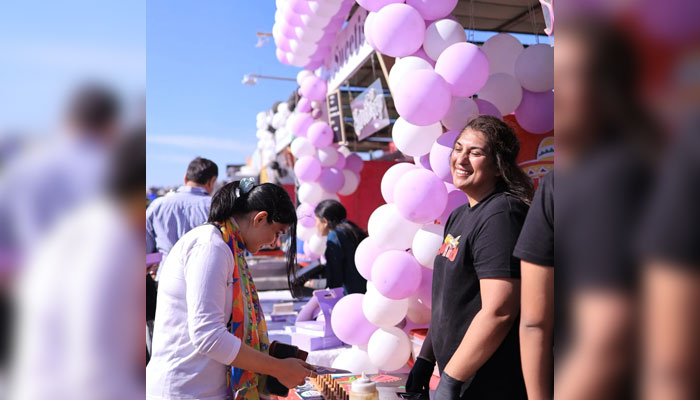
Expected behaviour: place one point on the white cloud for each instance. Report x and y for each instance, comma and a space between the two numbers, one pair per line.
202, 142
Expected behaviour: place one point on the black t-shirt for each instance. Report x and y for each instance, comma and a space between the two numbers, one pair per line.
340, 263
478, 244
536, 241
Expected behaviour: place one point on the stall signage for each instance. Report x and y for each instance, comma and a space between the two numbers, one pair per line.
369, 111
335, 116
349, 51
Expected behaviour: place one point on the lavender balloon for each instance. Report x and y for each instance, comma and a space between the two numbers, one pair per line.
465, 67
300, 124
396, 274
425, 290
376, 5
349, 322
307, 169
487, 108
423, 98
535, 113
365, 254
398, 30
314, 88
354, 163
440, 155
320, 134
423, 161
282, 57
304, 105
433, 9
331, 179
455, 198
391, 176
299, 6
340, 164
420, 196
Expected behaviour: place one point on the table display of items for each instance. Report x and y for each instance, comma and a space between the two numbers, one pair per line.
351, 387
318, 334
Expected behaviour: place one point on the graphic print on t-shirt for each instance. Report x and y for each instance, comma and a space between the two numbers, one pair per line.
450, 247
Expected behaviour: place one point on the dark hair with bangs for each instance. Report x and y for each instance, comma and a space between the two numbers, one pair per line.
503, 146
228, 202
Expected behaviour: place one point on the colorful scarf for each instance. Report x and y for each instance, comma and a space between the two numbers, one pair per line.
247, 321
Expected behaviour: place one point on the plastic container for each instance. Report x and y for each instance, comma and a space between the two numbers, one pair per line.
364, 389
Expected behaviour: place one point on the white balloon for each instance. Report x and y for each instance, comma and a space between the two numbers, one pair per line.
298, 60
502, 50
305, 233
325, 8
414, 140
418, 312
283, 108
462, 110
303, 74
344, 151
310, 193
317, 244
390, 230
405, 65
440, 35
352, 181
389, 348
276, 120
534, 68
314, 21
300, 48
426, 244
329, 196
301, 147
382, 311
315, 104
328, 156
355, 360
261, 124
308, 34
503, 91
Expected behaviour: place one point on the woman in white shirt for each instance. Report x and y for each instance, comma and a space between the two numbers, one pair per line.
210, 337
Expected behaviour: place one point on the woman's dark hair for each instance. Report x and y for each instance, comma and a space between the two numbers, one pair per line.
228, 202
336, 215
503, 146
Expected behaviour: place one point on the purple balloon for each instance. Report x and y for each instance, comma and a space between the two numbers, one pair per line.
376, 5
292, 19
334, 25
465, 67
313, 64
354, 163
425, 290
304, 105
300, 124
307, 169
283, 44
282, 57
398, 30
423, 161
368, 29
365, 254
455, 198
349, 322
314, 88
300, 6
316, 113
487, 108
420, 196
421, 54
440, 155
320, 134
535, 113
305, 215
396, 274
391, 176
433, 9
331, 179
288, 31
341, 162
423, 98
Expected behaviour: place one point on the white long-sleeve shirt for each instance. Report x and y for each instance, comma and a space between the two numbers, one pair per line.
191, 345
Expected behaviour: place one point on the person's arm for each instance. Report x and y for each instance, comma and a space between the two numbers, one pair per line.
536, 327
500, 300
334, 261
290, 372
150, 232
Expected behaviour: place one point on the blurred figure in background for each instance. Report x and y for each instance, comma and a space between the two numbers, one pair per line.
81, 298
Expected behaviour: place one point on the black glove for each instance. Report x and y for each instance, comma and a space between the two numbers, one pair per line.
419, 377
449, 388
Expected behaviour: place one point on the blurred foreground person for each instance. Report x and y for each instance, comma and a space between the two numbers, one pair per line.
606, 148
81, 297
210, 336
473, 333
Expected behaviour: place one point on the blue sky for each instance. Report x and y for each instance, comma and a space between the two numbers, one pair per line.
198, 52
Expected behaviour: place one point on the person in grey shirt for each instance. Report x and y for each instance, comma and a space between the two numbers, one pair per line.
169, 217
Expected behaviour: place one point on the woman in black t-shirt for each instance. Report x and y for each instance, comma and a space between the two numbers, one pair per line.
473, 333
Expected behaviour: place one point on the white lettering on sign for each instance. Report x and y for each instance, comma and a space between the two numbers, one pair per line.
369, 111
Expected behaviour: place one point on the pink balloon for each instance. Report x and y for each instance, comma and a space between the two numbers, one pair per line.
307, 169
398, 30
282, 57
465, 67
420, 196
331, 179
365, 254
320, 134
341, 162
421, 53
314, 88
300, 7
433, 9
368, 29
354, 163
424, 97
348, 321
487, 108
288, 31
300, 124
304, 105
306, 215
313, 64
376, 5
391, 176
423, 161
327, 39
334, 25
283, 44
316, 113
455, 198
440, 155
425, 290
293, 19
535, 113
310, 254
396, 274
